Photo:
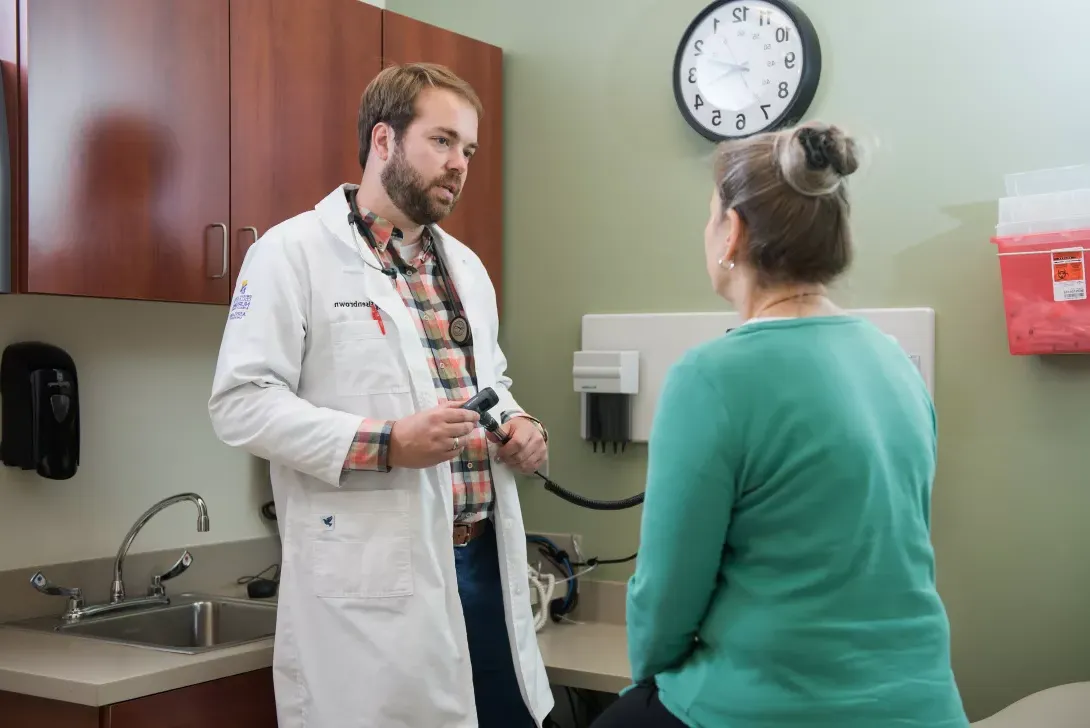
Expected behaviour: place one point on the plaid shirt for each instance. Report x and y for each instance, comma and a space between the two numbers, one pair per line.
452, 369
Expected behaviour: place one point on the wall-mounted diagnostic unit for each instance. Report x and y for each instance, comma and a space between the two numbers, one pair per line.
627, 356
607, 381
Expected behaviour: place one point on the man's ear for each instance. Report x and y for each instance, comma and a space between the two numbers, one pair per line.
382, 138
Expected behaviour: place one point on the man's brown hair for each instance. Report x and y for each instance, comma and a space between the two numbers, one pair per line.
391, 96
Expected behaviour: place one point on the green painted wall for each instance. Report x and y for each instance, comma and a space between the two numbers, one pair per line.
606, 198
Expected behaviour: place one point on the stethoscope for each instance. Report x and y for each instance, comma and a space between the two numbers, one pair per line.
459, 325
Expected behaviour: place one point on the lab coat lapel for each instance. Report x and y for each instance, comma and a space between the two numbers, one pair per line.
468, 288
333, 212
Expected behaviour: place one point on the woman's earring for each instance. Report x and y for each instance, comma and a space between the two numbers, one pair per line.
731, 267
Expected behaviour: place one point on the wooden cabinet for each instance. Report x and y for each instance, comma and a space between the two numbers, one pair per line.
9, 75
298, 70
154, 139
162, 135
128, 141
239, 701
478, 219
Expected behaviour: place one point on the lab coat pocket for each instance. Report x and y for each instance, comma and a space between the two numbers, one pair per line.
365, 359
361, 545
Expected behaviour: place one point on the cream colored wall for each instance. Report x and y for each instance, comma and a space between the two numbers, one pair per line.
145, 373
606, 198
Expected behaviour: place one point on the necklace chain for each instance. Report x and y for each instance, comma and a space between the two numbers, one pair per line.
784, 300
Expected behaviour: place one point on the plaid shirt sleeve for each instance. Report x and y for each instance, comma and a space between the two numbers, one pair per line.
370, 449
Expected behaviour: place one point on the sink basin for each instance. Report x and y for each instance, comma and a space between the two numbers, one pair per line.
190, 624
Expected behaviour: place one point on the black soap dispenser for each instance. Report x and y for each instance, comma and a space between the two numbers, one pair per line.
39, 410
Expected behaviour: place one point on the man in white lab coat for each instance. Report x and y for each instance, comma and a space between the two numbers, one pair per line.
355, 331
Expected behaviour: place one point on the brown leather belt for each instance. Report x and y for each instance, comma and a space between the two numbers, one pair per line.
466, 532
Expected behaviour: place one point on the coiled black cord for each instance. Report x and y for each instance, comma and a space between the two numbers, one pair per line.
490, 424
583, 502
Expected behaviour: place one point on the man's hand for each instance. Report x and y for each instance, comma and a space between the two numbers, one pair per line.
431, 437
526, 450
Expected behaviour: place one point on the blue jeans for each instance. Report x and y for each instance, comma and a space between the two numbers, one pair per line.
499, 700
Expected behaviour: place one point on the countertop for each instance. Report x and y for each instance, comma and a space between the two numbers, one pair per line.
93, 672
592, 656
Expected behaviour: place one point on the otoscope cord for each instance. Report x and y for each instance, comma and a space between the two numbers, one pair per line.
583, 502
490, 424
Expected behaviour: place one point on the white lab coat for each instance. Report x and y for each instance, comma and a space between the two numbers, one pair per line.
370, 632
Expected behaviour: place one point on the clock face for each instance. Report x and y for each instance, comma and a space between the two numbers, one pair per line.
746, 66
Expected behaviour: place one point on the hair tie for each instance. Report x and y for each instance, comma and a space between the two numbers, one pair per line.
818, 147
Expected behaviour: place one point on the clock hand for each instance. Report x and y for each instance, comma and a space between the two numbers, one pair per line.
734, 66
752, 93
721, 76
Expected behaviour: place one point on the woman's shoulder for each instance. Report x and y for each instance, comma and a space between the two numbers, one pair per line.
775, 349
708, 369
738, 347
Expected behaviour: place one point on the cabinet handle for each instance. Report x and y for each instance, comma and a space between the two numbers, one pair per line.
255, 233
223, 272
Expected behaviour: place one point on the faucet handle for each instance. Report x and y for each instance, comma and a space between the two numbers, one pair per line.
45, 586
183, 563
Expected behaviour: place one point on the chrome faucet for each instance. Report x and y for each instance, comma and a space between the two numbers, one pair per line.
117, 587
155, 593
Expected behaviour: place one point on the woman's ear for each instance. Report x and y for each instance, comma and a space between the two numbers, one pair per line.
735, 235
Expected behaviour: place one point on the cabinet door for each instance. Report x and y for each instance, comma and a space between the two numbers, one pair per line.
239, 701
298, 70
127, 159
28, 711
10, 249
478, 218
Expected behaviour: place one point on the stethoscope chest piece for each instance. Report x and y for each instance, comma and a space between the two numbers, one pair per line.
459, 330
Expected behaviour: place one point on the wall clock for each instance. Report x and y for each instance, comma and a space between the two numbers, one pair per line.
746, 66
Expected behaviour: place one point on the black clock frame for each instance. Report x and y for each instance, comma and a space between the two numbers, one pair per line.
808, 83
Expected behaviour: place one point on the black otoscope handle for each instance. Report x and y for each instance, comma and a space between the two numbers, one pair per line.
480, 403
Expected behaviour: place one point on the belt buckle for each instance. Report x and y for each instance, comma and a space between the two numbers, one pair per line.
462, 532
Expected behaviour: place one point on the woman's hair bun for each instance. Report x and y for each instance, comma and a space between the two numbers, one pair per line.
815, 158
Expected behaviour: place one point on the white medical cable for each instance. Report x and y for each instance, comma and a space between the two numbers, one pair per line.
576, 575
578, 551
545, 584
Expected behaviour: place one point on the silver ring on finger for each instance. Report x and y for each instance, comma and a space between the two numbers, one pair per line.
457, 444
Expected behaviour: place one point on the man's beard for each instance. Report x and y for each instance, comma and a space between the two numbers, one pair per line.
412, 195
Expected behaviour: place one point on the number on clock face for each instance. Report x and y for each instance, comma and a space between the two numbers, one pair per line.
741, 67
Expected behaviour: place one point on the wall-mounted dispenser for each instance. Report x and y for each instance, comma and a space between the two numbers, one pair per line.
606, 380
39, 410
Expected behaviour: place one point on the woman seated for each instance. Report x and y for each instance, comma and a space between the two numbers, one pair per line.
786, 576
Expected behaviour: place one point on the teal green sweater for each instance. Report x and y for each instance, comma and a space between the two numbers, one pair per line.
785, 575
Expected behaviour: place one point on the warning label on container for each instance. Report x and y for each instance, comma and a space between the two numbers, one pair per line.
1068, 275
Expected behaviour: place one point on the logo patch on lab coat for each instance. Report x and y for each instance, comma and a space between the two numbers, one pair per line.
240, 304
328, 522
